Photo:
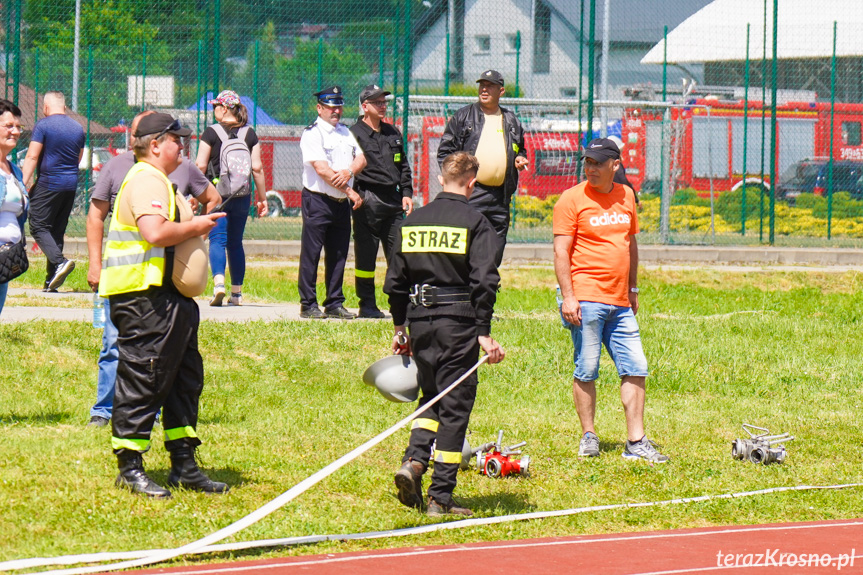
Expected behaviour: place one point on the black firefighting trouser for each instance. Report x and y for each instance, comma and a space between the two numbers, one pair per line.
444, 349
491, 201
159, 367
376, 220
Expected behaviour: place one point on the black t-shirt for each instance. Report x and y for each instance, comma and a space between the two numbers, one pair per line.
211, 138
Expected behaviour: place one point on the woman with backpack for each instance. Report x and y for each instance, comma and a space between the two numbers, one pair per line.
229, 154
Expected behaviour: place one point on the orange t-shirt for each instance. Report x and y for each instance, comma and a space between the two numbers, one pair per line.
600, 225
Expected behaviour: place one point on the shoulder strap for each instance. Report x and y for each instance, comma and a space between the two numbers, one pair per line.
220, 131
241, 134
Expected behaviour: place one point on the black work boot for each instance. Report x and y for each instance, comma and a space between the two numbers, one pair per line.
133, 477
185, 473
409, 480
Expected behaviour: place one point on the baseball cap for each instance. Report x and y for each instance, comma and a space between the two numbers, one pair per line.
226, 98
492, 76
332, 96
601, 149
371, 92
160, 123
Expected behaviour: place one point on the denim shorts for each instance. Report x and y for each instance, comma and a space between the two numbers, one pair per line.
614, 326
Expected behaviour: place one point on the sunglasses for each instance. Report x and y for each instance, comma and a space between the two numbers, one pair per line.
172, 127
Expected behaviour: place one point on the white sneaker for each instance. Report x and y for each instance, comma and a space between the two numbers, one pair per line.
644, 449
218, 295
236, 299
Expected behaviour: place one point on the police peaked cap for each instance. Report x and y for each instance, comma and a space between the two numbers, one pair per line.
332, 96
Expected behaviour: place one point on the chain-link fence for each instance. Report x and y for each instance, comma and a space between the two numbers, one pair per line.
714, 101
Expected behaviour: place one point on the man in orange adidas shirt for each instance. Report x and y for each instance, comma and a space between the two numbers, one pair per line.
596, 263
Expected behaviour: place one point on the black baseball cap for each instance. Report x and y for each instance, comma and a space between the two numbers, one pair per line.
332, 96
492, 76
160, 123
371, 92
601, 149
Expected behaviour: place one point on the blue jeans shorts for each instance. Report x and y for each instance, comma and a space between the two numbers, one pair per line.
614, 326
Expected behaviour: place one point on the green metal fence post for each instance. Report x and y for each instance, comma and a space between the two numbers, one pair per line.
320, 63
381, 62
199, 107
407, 66
217, 47
36, 86
396, 48
517, 60
773, 74
446, 68
88, 144
7, 6
580, 79
763, 123
255, 86
17, 52
745, 134
830, 160
144, 78
591, 68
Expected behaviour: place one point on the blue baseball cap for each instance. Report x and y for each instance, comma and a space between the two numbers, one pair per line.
331, 96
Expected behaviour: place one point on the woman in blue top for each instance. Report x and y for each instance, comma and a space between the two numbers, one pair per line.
13, 196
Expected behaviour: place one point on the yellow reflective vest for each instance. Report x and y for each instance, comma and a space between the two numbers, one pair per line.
130, 262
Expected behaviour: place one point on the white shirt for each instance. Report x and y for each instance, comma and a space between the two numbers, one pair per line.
334, 145
12, 207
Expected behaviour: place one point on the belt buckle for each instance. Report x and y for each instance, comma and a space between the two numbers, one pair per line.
419, 293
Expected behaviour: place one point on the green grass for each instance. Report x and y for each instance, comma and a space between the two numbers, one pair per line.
284, 399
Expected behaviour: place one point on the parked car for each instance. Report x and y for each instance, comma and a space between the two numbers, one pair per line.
810, 177
283, 203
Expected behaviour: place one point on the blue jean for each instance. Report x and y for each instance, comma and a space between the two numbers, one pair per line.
614, 326
4, 287
227, 236
108, 358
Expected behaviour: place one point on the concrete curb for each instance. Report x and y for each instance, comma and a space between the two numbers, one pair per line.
542, 252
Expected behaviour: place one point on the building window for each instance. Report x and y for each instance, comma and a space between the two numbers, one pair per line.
483, 43
512, 42
542, 38
568, 93
851, 135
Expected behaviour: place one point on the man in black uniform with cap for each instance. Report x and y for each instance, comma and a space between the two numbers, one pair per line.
331, 157
386, 188
494, 135
443, 278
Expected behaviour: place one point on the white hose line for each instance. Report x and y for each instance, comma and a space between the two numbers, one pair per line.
276, 503
308, 539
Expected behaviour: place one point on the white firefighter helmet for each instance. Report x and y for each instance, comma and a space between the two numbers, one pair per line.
395, 377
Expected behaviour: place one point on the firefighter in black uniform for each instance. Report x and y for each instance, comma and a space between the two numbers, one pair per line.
386, 188
443, 278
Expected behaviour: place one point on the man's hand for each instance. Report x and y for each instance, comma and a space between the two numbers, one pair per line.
341, 178
491, 348
354, 197
94, 271
633, 302
520, 163
407, 205
206, 222
571, 310
401, 341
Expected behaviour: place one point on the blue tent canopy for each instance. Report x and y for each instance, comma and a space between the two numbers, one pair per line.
263, 119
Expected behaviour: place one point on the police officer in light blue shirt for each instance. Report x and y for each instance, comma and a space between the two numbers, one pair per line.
331, 157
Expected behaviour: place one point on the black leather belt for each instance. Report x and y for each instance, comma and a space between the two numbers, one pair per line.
428, 295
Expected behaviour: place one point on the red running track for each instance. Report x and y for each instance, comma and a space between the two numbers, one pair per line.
808, 548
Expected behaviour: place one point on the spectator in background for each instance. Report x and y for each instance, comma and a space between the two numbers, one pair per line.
189, 181
233, 123
55, 151
13, 195
494, 135
331, 157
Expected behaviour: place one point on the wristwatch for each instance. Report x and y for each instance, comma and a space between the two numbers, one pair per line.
351, 172
633, 290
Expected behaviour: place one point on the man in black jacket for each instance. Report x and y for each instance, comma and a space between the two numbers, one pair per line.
443, 279
494, 135
387, 192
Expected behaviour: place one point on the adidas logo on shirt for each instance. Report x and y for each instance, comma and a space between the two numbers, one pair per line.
607, 219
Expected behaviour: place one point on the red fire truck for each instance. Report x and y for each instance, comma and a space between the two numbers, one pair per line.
706, 144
